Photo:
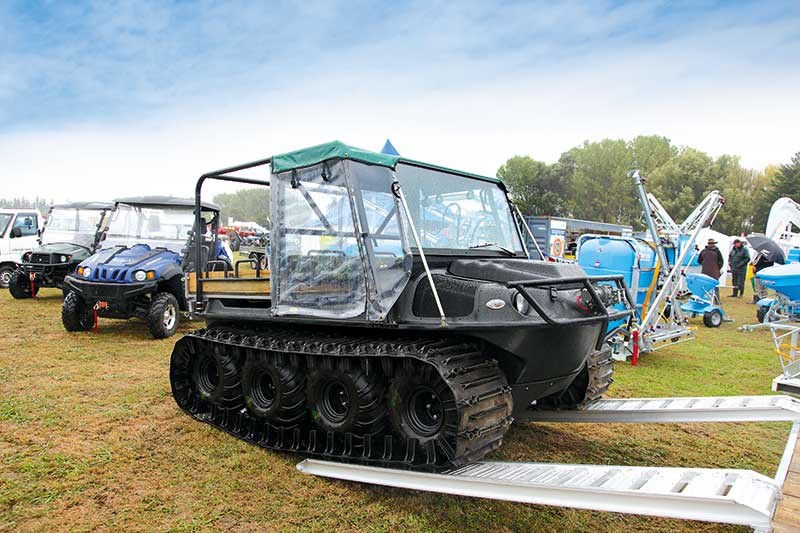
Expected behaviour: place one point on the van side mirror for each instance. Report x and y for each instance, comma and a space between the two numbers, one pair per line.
16, 232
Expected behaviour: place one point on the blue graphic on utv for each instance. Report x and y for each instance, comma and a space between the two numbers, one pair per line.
138, 272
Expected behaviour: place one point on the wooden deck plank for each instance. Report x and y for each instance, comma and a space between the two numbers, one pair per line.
787, 513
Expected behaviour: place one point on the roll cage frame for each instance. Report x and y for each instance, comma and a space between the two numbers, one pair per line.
603, 315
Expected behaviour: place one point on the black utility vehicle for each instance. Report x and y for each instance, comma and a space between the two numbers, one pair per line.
69, 235
402, 323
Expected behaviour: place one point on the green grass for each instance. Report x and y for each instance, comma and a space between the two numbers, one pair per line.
90, 438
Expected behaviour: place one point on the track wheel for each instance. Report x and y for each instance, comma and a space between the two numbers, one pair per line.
712, 319
420, 404
274, 388
19, 285
215, 376
343, 398
76, 314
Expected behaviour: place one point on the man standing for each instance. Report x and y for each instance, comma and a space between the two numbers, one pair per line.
738, 260
711, 260
759, 264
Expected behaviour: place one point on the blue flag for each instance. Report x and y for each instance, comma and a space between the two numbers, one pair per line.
389, 148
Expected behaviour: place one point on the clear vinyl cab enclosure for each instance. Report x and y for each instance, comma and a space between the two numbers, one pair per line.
402, 321
68, 236
19, 232
137, 270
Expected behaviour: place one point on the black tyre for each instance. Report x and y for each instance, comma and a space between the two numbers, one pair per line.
342, 397
418, 398
712, 319
163, 316
5, 275
274, 388
20, 285
761, 313
76, 314
215, 377
65, 291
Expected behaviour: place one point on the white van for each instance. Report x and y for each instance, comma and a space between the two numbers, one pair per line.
19, 232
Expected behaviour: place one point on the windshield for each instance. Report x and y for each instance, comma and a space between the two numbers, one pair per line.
5, 218
71, 225
458, 213
164, 227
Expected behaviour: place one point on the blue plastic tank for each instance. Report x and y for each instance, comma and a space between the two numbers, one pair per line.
634, 259
793, 256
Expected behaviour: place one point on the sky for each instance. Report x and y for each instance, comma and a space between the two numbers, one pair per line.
100, 99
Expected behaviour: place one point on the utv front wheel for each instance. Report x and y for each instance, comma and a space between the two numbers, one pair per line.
76, 314
163, 316
20, 286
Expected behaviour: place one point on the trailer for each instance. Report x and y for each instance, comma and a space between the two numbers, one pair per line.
558, 236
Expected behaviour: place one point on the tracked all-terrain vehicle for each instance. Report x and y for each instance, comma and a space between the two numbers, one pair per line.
69, 235
402, 322
138, 270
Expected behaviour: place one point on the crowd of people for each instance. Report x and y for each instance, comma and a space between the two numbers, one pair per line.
739, 261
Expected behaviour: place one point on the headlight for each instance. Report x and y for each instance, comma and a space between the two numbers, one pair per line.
87, 272
64, 258
140, 275
521, 304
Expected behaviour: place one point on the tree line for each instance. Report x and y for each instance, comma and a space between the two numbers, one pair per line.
591, 182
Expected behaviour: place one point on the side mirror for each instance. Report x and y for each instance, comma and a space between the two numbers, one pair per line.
16, 232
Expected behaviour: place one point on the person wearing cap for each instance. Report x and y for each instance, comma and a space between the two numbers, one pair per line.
711, 260
738, 260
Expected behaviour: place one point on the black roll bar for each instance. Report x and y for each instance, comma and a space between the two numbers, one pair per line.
586, 282
219, 175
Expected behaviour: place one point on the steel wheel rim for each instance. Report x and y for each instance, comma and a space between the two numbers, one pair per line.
334, 402
425, 412
263, 390
169, 316
5, 278
207, 375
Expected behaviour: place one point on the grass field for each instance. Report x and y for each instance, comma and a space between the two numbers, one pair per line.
90, 438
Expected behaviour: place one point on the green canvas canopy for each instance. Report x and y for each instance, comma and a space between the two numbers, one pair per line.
338, 150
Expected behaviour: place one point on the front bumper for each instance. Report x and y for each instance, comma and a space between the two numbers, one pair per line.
94, 291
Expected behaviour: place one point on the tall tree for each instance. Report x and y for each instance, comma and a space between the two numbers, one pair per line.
601, 189
762, 197
787, 180
534, 187
245, 205
650, 152
682, 182
738, 185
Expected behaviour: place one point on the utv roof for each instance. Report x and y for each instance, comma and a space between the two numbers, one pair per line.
164, 201
97, 206
338, 150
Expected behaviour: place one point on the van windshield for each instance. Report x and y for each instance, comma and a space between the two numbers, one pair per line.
5, 219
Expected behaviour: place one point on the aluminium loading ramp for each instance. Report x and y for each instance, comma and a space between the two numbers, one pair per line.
771, 408
714, 495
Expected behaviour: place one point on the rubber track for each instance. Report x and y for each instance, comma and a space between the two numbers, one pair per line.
480, 395
601, 372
